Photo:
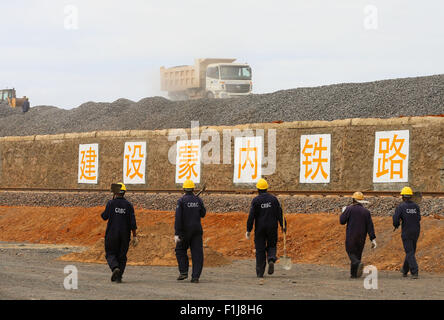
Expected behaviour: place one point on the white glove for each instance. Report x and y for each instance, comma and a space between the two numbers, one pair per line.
135, 241
247, 235
176, 239
343, 209
374, 244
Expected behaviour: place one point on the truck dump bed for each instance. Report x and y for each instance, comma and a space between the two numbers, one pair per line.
181, 78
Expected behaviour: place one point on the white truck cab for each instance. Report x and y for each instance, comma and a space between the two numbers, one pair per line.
225, 80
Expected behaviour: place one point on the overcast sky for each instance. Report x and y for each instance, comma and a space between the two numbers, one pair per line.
118, 46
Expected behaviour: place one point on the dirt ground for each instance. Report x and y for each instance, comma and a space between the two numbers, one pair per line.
37, 243
311, 239
39, 274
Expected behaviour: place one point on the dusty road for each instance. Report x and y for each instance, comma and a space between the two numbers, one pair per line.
32, 272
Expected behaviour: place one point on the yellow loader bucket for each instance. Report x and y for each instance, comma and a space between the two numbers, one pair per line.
16, 102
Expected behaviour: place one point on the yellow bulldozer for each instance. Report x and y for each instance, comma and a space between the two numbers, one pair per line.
9, 95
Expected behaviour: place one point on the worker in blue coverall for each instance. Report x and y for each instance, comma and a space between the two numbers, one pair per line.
121, 221
408, 212
359, 224
188, 232
265, 214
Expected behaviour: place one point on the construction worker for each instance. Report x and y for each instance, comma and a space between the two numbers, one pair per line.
265, 213
188, 232
121, 221
25, 106
359, 224
408, 212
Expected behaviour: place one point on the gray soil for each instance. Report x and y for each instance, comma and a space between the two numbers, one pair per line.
36, 274
379, 99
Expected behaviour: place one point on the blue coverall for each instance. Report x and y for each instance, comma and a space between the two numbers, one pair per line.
121, 220
408, 212
189, 211
265, 213
359, 224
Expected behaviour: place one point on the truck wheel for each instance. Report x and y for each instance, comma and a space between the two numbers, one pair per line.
210, 95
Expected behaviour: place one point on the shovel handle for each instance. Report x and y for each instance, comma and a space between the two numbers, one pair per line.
285, 246
284, 225
204, 187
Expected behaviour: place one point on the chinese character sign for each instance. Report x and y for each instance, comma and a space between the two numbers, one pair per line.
88, 163
247, 159
391, 159
315, 158
134, 163
188, 161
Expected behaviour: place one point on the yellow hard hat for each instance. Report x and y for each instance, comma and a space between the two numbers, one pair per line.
188, 184
122, 186
359, 197
406, 191
262, 184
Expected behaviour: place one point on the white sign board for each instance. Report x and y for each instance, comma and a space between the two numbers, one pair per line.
88, 170
188, 161
391, 158
134, 163
247, 159
315, 158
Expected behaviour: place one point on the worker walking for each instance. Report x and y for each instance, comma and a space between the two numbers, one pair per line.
359, 224
408, 212
188, 232
121, 221
265, 213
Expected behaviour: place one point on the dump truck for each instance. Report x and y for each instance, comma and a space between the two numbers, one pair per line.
207, 78
9, 95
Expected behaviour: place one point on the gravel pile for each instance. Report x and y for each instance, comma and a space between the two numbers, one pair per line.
380, 99
6, 111
379, 206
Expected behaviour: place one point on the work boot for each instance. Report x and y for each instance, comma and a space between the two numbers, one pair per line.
270, 267
115, 275
415, 275
360, 270
182, 276
404, 274
195, 280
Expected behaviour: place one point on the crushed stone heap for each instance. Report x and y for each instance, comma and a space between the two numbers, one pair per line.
379, 99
